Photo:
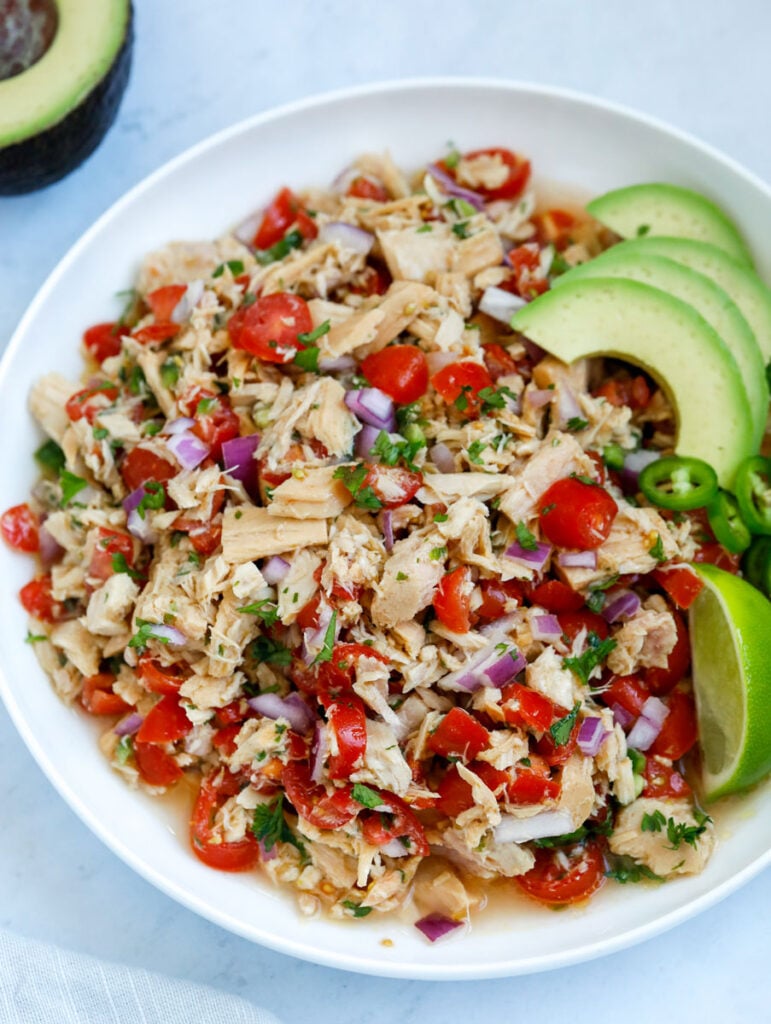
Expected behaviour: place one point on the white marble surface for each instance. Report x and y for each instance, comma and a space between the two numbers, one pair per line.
199, 66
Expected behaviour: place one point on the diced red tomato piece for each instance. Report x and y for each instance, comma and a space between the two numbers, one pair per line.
367, 188
574, 514
348, 722
526, 708
224, 739
553, 226
460, 384
555, 596
678, 733
527, 278
403, 824
155, 766
38, 600
498, 361
163, 301
141, 465
215, 420
311, 801
209, 847
84, 404
269, 329
401, 371
455, 794
716, 554
532, 783
103, 340
550, 881
633, 392
163, 679
155, 334
496, 594
284, 212
459, 735
629, 692
19, 526
376, 280
663, 782
572, 623
165, 722
385, 479
109, 543
681, 583
97, 696
452, 600
517, 177
661, 680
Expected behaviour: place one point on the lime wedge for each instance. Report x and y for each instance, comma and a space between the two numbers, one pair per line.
730, 625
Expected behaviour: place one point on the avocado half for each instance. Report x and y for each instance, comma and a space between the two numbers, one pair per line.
55, 113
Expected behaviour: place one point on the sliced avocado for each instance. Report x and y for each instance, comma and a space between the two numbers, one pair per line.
55, 112
668, 339
655, 209
748, 291
706, 298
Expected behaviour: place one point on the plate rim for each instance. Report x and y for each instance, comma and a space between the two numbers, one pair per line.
297, 947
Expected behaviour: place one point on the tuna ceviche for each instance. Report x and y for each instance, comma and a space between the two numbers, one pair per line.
325, 540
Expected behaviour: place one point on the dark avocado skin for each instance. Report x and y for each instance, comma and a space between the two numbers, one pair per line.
45, 158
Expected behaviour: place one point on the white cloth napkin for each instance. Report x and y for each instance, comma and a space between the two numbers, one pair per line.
42, 984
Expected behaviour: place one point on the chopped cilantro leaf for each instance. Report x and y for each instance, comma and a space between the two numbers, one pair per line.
657, 551
170, 372
34, 638
423, 229
596, 652
100, 433
461, 229
475, 450
366, 797
309, 337
437, 554
270, 651
625, 869
576, 423
325, 654
269, 825
525, 538
235, 267
407, 415
119, 564
441, 517
50, 457
124, 748
560, 731
357, 909
461, 402
71, 485
390, 452
652, 822
265, 610
353, 478
642, 230
153, 498
308, 358
292, 240
146, 632
401, 577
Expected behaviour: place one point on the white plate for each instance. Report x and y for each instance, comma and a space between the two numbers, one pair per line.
572, 139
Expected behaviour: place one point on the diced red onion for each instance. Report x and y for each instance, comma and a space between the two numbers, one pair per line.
622, 604
500, 304
265, 854
438, 360
180, 424
546, 627
621, 716
50, 549
436, 926
129, 724
567, 405
591, 736
539, 826
133, 499
275, 569
534, 560
170, 634
189, 450
238, 459
372, 406
577, 559
293, 708
643, 734
442, 458
388, 529
365, 441
140, 528
247, 229
345, 177
319, 751
634, 464
191, 296
450, 187
339, 365
538, 397
500, 669
500, 627
487, 667
655, 710
347, 236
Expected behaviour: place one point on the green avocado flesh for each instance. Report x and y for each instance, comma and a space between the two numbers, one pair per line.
667, 338
709, 301
748, 291
654, 209
54, 113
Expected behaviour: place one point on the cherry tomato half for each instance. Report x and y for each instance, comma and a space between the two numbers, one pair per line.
269, 329
452, 600
103, 340
575, 514
401, 371
459, 735
550, 881
460, 383
19, 526
207, 845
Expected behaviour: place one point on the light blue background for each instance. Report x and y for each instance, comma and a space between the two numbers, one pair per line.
201, 65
